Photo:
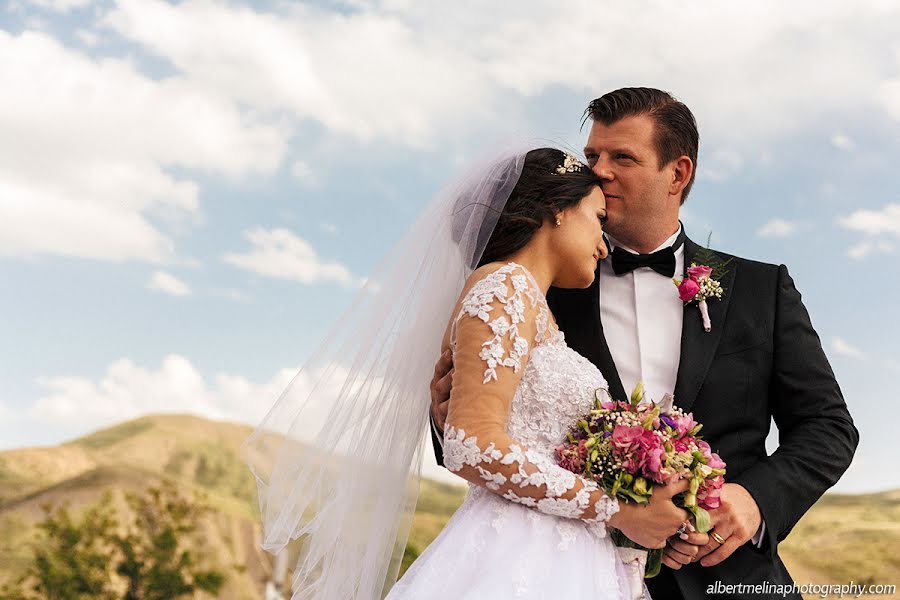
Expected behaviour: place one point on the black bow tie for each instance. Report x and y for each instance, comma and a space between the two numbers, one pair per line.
661, 261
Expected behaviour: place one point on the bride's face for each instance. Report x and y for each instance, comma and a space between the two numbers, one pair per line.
577, 242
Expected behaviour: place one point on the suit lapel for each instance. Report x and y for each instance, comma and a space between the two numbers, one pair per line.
593, 345
698, 346
608, 366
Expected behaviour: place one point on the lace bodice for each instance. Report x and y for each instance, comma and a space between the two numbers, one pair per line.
517, 389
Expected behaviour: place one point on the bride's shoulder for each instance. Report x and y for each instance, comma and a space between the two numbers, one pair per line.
509, 274
500, 282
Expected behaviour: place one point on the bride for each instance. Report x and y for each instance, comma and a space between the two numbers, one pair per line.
338, 458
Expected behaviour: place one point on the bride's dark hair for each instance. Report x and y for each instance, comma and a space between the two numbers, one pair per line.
539, 195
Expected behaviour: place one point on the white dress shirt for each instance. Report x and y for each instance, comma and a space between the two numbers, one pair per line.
642, 318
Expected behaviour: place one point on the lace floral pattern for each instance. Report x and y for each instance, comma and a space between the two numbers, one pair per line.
527, 529
479, 303
555, 390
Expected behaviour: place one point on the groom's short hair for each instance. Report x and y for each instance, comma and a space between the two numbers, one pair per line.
675, 127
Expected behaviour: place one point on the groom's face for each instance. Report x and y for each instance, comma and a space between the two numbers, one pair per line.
624, 156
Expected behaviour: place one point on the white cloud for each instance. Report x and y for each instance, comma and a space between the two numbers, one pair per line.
88, 38
168, 283
777, 228
720, 165
85, 147
410, 73
889, 94
60, 5
281, 254
127, 390
842, 347
235, 295
828, 189
874, 222
303, 173
865, 248
75, 405
842, 142
365, 75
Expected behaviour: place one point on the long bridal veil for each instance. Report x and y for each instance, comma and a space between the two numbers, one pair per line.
337, 459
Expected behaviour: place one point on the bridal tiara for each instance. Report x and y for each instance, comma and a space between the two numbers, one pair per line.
570, 165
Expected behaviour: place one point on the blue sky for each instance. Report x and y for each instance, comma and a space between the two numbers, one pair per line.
190, 193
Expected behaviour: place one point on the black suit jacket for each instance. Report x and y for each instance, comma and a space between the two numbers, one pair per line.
762, 361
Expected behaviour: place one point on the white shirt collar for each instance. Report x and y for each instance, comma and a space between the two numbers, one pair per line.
668, 242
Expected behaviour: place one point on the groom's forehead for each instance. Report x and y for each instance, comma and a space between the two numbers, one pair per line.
628, 132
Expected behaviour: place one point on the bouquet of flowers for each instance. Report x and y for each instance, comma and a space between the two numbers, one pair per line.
628, 447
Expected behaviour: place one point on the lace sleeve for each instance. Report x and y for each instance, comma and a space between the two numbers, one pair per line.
501, 317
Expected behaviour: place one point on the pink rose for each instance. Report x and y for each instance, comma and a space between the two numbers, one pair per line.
709, 501
654, 461
665, 475
699, 272
685, 424
708, 496
705, 450
715, 462
624, 437
651, 453
688, 289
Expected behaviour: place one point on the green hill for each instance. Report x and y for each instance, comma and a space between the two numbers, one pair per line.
843, 537
199, 454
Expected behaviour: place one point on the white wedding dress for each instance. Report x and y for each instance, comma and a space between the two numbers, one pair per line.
527, 528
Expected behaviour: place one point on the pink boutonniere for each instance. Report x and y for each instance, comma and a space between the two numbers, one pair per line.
699, 286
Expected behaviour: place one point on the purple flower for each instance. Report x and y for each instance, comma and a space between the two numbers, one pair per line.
668, 421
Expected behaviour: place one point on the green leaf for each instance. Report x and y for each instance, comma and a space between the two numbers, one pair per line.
654, 563
701, 518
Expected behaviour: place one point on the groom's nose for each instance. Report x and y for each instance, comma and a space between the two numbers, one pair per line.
602, 170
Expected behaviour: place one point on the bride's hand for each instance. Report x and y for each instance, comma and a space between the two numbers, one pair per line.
682, 550
651, 524
440, 389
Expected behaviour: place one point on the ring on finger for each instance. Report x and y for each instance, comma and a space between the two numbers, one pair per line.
717, 537
682, 528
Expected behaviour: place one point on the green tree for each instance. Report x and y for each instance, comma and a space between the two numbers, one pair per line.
145, 557
155, 563
70, 557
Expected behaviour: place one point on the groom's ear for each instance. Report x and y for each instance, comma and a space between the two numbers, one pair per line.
682, 168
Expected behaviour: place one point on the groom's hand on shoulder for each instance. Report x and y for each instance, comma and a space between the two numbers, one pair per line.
440, 389
736, 521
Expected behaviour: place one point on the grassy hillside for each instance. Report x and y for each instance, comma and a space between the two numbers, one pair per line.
847, 538
199, 454
843, 538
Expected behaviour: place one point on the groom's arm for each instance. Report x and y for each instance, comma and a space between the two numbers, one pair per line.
440, 402
816, 435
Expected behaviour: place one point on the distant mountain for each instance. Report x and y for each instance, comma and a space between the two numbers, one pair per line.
843, 537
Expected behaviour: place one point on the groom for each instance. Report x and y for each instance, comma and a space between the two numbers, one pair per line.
761, 360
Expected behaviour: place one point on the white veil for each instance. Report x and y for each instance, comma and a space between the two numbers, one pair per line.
338, 458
